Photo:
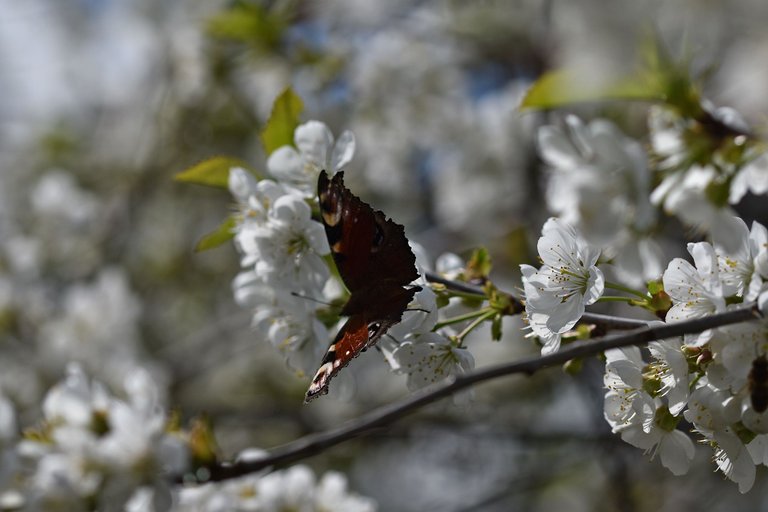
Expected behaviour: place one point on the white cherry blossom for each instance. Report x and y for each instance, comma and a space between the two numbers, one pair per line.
288, 322
299, 167
671, 369
431, 358
99, 449
696, 291
752, 177
689, 174
242, 184
762, 303
599, 179
666, 130
738, 271
254, 201
420, 317
556, 294
639, 418
290, 246
711, 409
684, 194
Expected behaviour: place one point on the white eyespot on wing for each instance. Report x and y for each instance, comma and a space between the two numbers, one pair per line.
319, 384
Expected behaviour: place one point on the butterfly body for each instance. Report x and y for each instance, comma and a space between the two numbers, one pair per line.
376, 264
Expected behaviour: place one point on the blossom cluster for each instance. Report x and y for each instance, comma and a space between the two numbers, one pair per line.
600, 183
282, 248
710, 381
295, 488
696, 164
94, 450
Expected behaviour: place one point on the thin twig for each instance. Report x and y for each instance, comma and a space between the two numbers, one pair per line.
316, 443
607, 321
613, 322
454, 285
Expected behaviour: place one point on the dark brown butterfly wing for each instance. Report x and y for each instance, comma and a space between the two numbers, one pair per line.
367, 247
375, 262
757, 381
350, 341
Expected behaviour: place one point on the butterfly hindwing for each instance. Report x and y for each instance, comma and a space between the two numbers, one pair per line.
349, 342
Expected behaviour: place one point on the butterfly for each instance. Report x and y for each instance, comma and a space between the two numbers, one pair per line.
376, 264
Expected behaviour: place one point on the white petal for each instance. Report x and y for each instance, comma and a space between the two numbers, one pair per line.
758, 449
551, 342
739, 187
677, 451
450, 264
292, 210
343, 151
705, 259
557, 245
567, 314
595, 286
626, 353
640, 439
677, 280
556, 149
314, 141
762, 303
241, 183
738, 466
285, 164
629, 373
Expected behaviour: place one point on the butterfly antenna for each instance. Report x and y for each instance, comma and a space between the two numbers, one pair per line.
395, 340
301, 296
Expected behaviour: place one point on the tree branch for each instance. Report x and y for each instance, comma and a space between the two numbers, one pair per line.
612, 322
316, 443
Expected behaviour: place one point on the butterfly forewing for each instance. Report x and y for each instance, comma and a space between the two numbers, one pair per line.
366, 246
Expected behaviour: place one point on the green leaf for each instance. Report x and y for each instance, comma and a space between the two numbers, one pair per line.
479, 265
213, 172
283, 121
573, 366
202, 442
496, 328
657, 78
248, 23
224, 233
655, 287
565, 87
